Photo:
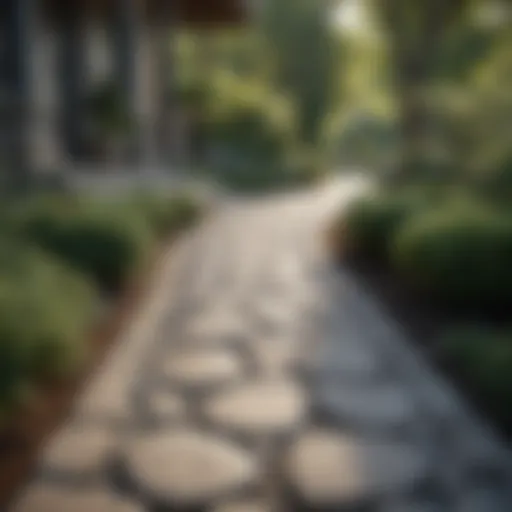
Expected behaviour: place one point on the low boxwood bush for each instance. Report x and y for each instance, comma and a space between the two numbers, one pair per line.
45, 311
96, 239
459, 254
483, 357
368, 226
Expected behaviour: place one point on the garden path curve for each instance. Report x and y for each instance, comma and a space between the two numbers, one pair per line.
259, 378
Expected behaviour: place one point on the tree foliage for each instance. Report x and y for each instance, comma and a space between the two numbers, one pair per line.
304, 59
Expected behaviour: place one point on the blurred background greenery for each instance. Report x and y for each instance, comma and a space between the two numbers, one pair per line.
395, 87
427, 111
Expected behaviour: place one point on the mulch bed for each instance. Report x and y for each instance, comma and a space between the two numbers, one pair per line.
23, 437
424, 321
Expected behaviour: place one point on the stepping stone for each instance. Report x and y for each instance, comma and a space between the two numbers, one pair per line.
166, 405
243, 506
188, 468
274, 357
217, 327
44, 498
269, 407
79, 451
329, 469
371, 406
203, 368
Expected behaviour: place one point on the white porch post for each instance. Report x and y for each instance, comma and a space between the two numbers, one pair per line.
72, 78
19, 33
127, 32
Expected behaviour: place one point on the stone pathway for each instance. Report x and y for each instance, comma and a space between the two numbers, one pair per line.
259, 379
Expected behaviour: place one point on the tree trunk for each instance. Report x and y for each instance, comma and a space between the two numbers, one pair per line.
411, 78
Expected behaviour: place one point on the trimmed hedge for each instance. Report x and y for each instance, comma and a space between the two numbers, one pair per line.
370, 224
100, 241
460, 255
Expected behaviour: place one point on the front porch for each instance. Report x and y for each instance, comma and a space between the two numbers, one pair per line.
61, 59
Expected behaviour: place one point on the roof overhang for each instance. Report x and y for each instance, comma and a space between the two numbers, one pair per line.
193, 13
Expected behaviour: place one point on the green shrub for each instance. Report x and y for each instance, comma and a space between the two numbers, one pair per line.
369, 225
45, 310
496, 183
307, 168
484, 359
101, 241
459, 254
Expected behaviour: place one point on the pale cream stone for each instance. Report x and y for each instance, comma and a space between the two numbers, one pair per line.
203, 368
188, 467
268, 407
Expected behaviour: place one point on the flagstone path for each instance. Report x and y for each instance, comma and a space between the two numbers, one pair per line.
258, 379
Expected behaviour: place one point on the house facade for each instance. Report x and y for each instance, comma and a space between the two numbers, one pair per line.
60, 58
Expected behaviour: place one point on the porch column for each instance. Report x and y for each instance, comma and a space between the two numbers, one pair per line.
126, 21
72, 78
169, 125
19, 38
163, 91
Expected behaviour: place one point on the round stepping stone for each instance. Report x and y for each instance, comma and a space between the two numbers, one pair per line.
188, 468
370, 406
166, 405
79, 451
44, 498
217, 327
270, 407
329, 469
203, 368
275, 356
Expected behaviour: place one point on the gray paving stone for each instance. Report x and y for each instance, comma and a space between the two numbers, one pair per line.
485, 500
369, 406
330, 469
186, 467
413, 506
266, 407
44, 498
79, 450
348, 359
